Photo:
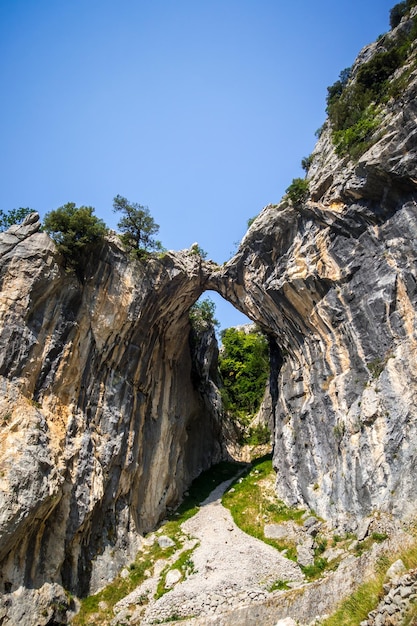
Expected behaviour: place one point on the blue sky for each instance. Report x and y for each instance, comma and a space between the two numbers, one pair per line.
200, 110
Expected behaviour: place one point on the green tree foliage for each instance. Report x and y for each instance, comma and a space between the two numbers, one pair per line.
355, 139
297, 192
244, 367
353, 105
75, 231
137, 227
397, 13
399, 10
335, 91
306, 162
14, 216
202, 315
373, 74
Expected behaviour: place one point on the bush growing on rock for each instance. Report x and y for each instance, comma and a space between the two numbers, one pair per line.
399, 10
202, 315
353, 105
297, 192
75, 231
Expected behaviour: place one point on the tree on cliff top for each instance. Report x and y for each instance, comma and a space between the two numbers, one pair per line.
137, 226
74, 230
14, 216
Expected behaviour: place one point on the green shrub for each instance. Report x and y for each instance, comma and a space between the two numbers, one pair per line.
335, 91
356, 139
198, 251
373, 74
75, 231
306, 162
376, 367
297, 192
258, 435
399, 10
397, 13
352, 107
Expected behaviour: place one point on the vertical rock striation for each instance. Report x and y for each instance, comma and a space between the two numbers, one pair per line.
333, 282
108, 409
103, 413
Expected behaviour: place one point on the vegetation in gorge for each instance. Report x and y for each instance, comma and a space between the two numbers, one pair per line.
356, 607
244, 367
98, 608
253, 503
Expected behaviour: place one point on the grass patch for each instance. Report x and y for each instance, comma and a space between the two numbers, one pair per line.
312, 572
184, 564
251, 510
90, 612
355, 609
358, 605
278, 585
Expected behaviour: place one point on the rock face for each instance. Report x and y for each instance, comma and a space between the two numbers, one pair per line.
108, 410
333, 282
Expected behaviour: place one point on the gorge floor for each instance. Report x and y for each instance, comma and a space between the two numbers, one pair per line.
203, 569
230, 567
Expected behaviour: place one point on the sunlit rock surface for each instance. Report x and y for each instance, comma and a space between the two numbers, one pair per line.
109, 407
107, 412
334, 284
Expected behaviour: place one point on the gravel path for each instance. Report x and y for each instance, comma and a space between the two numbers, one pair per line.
230, 568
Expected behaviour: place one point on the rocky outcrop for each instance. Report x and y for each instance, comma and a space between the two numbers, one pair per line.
106, 409
333, 283
337, 291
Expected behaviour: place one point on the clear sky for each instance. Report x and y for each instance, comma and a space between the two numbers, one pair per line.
199, 109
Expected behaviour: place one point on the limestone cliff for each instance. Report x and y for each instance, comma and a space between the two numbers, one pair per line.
106, 410
333, 281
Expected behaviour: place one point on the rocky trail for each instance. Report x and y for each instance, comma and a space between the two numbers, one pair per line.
227, 569
220, 575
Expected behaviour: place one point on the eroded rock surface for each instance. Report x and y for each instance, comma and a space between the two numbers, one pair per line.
333, 283
107, 411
